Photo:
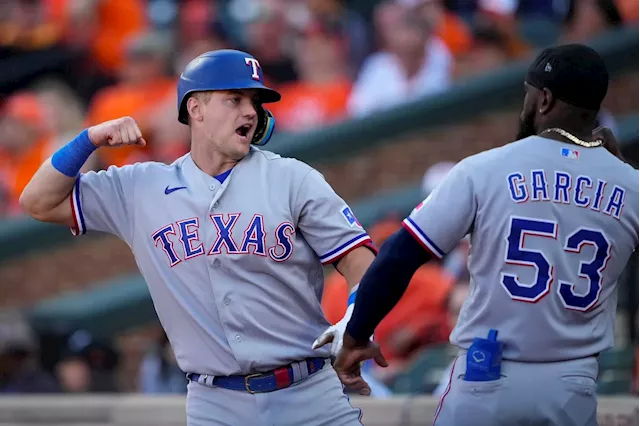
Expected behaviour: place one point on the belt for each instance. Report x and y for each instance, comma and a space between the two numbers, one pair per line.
270, 381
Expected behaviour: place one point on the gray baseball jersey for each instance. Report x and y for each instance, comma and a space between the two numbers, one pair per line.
552, 227
234, 268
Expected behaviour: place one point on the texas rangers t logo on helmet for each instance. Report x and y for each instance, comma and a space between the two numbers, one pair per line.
254, 66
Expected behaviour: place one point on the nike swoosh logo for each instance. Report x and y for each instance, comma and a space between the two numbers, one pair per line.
168, 190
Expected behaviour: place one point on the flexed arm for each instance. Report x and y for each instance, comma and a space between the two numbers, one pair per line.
46, 196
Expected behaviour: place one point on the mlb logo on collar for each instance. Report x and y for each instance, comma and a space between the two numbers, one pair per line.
569, 153
351, 218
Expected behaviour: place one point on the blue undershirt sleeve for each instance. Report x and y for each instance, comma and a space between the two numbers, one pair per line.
385, 282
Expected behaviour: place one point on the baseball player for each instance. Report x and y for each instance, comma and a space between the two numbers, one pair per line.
231, 240
553, 220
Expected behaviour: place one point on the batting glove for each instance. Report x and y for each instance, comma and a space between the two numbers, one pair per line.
335, 333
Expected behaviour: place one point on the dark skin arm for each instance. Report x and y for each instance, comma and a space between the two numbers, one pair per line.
350, 358
609, 141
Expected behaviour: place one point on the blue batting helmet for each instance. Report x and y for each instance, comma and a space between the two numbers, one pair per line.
227, 69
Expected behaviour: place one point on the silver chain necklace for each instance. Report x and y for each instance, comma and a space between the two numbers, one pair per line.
574, 139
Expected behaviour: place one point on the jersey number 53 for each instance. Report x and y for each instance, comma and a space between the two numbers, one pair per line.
518, 255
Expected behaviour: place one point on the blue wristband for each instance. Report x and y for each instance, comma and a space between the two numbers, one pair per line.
352, 296
69, 159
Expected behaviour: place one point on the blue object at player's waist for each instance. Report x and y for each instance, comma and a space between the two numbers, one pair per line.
270, 381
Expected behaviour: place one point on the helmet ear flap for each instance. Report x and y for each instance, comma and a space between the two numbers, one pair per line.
266, 125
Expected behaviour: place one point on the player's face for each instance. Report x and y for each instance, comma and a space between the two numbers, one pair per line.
528, 115
230, 120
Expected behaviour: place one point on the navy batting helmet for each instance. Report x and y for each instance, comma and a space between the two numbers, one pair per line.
227, 69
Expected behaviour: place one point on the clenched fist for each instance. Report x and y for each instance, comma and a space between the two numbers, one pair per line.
118, 132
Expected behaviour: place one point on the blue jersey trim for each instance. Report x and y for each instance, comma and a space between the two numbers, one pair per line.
79, 205
223, 176
343, 246
427, 239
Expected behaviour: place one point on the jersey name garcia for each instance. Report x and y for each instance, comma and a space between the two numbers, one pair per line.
235, 268
565, 188
552, 227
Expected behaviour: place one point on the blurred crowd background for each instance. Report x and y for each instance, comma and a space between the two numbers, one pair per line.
69, 64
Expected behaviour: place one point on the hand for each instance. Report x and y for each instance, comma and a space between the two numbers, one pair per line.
349, 360
334, 334
122, 131
609, 141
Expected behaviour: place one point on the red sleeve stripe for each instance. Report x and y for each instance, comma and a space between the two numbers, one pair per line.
343, 250
76, 211
423, 241
372, 247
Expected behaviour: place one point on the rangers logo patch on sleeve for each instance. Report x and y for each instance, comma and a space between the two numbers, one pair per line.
419, 206
350, 217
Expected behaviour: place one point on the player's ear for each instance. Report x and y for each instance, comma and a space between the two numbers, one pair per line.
194, 109
546, 100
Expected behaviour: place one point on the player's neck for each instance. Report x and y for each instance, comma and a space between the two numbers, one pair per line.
211, 163
577, 122
579, 131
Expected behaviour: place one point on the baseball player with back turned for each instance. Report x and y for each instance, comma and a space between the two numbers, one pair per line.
553, 220
231, 240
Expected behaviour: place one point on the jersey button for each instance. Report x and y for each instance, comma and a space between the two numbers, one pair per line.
216, 263
238, 338
212, 187
226, 301
215, 205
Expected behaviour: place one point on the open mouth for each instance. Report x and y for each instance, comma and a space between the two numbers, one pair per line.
243, 130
